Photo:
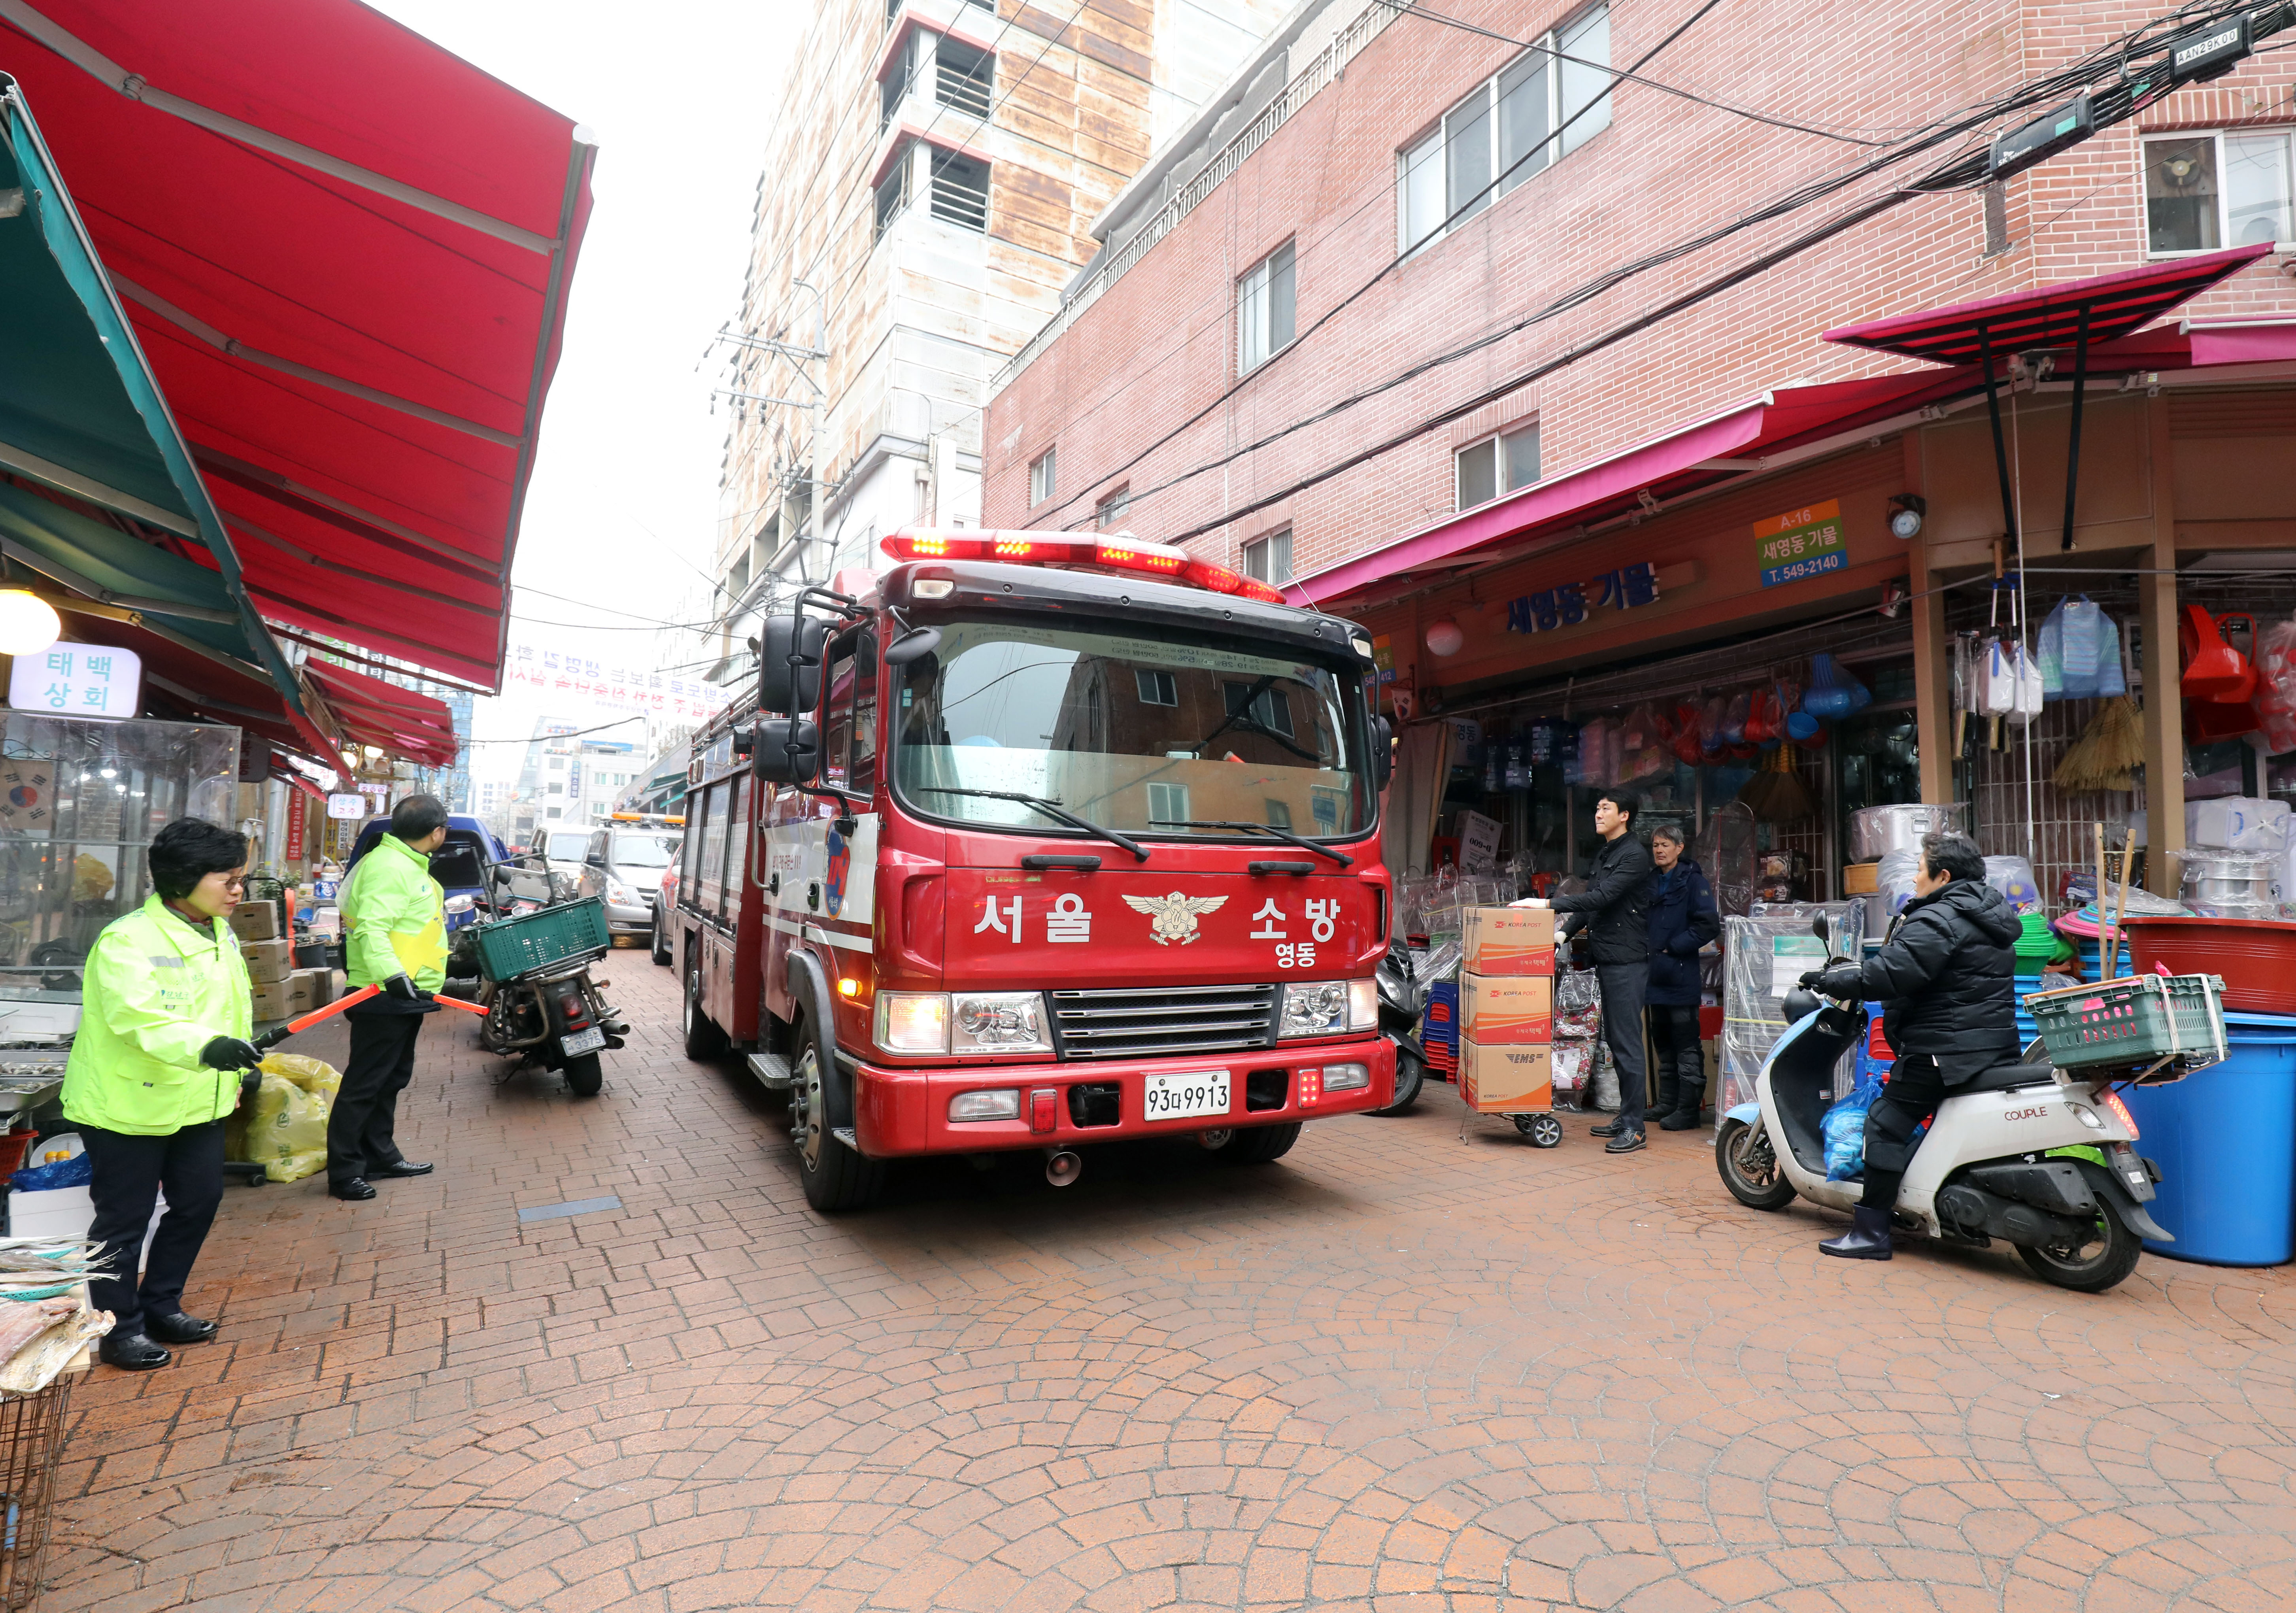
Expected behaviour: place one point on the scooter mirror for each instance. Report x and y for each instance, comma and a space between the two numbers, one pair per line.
1821, 930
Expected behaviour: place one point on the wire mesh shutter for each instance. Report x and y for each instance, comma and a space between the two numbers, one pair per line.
31, 1434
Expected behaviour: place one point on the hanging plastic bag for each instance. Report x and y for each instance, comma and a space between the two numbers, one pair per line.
1642, 747
1733, 718
2111, 681
2084, 629
2049, 650
1997, 696
1711, 721
2276, 685
2028, 696
1844, 1130
1689, 737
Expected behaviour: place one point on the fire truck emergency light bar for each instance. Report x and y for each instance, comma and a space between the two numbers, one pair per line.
1062, 549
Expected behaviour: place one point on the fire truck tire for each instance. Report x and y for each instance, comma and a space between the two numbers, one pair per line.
703, 1040
835, 1177
584, 1078
1259, 1144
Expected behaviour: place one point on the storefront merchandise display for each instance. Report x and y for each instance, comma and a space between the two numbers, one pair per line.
1765, 954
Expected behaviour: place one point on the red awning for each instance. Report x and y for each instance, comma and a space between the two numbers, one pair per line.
2115, 304
346, 254
296, 780
1681, 461
374, 712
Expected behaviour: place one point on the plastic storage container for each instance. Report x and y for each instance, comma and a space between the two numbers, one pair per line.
2130, 1021
510, 947
2224, 1139
2256, 957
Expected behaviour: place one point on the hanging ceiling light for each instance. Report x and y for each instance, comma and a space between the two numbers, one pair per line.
29, 624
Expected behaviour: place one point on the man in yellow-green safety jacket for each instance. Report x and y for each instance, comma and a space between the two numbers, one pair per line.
165, 1018
394, 936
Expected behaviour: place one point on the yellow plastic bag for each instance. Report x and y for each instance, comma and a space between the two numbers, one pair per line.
286, 1126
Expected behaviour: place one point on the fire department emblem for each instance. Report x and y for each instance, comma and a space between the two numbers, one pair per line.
1175, 915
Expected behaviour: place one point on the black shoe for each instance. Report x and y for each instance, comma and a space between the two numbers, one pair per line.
1611, 1130
1625, 1142
179, 1328
133, 1353
402, 1167
1680, 1120
356, 1190
1868, 1239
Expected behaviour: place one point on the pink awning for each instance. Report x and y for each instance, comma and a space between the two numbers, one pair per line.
2102, 308
1680, 461
2236, 342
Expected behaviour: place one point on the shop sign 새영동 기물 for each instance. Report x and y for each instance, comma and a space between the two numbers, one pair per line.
1800, 543
1568, 605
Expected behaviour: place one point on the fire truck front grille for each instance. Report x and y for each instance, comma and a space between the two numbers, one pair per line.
1148, 1023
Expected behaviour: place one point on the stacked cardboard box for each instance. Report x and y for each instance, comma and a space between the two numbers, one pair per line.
1507, 1010
257, 921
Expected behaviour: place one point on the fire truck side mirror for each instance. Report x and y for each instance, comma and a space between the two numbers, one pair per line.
789, 663
914, 646
1382, 752
789, 750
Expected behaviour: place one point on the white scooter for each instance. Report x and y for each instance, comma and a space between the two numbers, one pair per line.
1984, 1170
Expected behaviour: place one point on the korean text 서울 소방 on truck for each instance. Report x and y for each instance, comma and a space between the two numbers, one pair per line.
1037, 840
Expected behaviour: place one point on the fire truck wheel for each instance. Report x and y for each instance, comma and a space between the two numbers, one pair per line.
836, 1177
1410, 1077
1259, 1144
703, 1039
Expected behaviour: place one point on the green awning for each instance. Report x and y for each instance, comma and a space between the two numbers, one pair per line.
81, 412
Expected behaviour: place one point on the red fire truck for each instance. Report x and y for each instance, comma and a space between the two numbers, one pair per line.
1035, 840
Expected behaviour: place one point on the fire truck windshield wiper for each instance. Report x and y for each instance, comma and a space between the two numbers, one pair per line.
1051, 809
1300, 840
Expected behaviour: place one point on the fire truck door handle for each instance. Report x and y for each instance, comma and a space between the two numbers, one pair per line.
1280, 867
774, 885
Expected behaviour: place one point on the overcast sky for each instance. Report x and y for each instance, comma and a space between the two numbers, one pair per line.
626, 486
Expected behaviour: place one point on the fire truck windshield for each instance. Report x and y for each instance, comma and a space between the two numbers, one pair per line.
1137, 732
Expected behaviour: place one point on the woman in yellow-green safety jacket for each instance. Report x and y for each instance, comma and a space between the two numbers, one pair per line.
165, 1018
394, 936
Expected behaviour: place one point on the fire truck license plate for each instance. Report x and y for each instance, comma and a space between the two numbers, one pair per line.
1199, 1091
583, 1041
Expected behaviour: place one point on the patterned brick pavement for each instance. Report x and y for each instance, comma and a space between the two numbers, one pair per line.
1394, 1371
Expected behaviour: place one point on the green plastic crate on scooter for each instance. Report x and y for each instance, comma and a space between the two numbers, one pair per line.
2136, 1019
558, 934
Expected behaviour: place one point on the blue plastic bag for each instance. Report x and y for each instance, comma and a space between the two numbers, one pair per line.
1844, 1130
78, 1170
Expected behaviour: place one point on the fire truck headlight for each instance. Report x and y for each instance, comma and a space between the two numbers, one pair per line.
1315, 1008
1346, 1077
1003, 1103
998, 1022
913, 1021
1363, 1005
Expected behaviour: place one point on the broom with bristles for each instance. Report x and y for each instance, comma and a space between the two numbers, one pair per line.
2107, 752
1776, 794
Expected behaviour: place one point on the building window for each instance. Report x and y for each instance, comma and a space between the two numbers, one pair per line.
1268, 559
895, 87
893, 195
2202, 191
1111, 509
1167, 804
1156, 688
1041, 478
1536, 109
1269, 710
558, 764
964, 79
1279, 813
959, 189
1264, 305
1495, 465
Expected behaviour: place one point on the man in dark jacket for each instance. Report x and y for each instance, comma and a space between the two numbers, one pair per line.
1683, 918
1610, 911
1947, 976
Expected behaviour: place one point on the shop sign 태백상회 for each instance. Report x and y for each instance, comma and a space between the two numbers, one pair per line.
1568, 605
1800, 543
78, 679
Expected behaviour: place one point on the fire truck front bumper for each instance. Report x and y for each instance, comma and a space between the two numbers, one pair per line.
980, 1107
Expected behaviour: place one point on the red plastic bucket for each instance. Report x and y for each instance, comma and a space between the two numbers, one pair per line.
2256, 957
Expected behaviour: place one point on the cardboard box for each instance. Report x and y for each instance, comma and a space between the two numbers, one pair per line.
1507, 941
274, 1001
268, 960
303, 989
257, 921
1506, 1080
1510, 1011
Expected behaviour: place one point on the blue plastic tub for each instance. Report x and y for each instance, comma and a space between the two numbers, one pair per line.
2224, 1139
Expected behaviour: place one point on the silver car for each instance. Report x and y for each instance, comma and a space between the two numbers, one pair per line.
625, 866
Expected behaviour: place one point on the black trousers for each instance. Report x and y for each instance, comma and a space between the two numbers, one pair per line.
1911, 1095
1623, 985
1679, 1059
362, 1126
129, 1173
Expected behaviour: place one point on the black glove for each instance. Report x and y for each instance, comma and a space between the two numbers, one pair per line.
1843, 981
230, 1053
249, 1085
401, 987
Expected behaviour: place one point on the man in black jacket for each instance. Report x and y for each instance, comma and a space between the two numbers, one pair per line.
1683, 919
1947, 977
1612, 912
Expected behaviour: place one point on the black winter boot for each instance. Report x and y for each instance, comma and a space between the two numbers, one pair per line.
1868, 1239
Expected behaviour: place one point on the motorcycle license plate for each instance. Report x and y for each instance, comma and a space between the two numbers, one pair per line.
583, 1041
1199, 1091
